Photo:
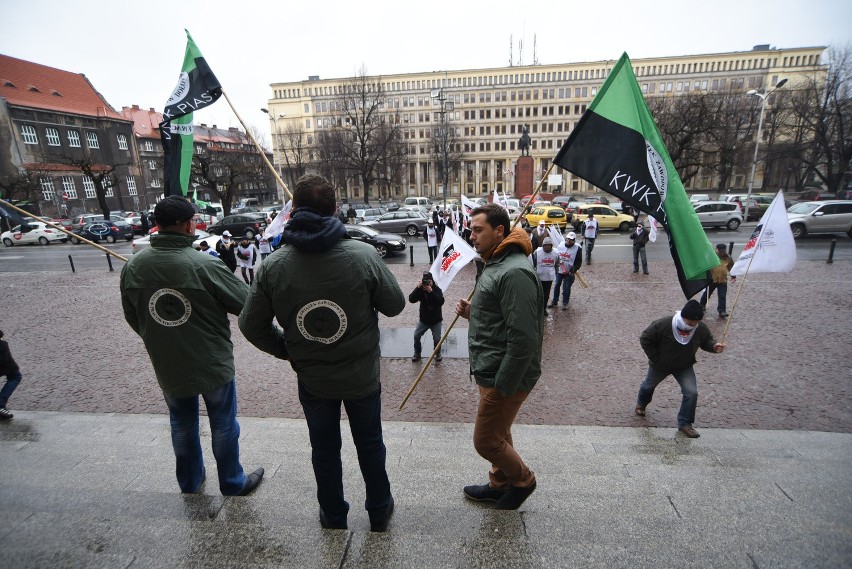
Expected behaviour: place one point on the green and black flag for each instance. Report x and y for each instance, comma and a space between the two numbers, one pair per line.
197, 88
616, 146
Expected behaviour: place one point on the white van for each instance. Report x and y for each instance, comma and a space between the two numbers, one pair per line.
421, 201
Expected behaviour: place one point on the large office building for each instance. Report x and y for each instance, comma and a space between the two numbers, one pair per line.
491, 106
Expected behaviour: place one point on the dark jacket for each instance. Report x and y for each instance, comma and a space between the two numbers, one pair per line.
178, 301
506, 319
665, 354
7, 362
639, 240
324, 289
228, 254
430, 303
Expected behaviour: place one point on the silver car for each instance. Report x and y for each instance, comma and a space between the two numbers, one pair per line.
831, 216
399, 221
719, 214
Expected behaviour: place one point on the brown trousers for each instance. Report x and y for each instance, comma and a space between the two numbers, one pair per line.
492, 438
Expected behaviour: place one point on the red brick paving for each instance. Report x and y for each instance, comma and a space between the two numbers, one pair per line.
787, 365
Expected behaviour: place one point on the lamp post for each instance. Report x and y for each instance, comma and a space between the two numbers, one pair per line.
274, 120
446, 106
763, 96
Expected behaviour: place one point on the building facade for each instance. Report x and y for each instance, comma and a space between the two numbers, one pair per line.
490, 108
58, 132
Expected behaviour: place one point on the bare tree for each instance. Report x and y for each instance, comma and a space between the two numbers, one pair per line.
102, 175
295, 149
365, 137
733, 121
21, 186
822, 111
684, 123
223, 171
448, 152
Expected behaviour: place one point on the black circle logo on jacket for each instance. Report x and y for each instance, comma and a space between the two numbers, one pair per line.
322, 321
169, 307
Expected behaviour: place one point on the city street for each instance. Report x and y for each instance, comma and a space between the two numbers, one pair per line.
610, 247
786, 366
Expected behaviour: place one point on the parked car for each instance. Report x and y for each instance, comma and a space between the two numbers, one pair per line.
420, 200
200, 235
607, 217
550, 214
83, 219
32, 232
400, 221
562, 201
247, 224
385, 243
597, 199
695, 198
109, 231
758, 205
719, 214
815, 195
369, 214
820, 217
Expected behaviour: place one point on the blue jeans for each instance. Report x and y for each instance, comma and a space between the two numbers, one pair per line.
221, 406
637, 252
421, 329
565, 281
12, 381
590, 244
722, 292
688, 387
365, 422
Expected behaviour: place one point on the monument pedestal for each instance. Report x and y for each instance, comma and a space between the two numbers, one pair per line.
524, 176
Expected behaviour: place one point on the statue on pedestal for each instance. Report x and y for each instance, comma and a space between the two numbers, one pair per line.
525, 141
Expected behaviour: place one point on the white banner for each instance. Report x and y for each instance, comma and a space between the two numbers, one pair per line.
771, 248
453, 254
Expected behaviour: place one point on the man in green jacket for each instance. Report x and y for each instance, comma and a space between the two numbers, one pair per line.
178, 301
325, 290
504, 340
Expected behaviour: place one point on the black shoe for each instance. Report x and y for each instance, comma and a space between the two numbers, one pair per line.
416, 358
513, 499
5, 414
635, 271
483, 493
439, 357
252, 482
644, 272
380, 523
723, 315
328, 525
552, 305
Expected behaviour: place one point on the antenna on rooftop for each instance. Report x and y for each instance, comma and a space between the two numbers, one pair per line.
511, 45
521, 51
535, 57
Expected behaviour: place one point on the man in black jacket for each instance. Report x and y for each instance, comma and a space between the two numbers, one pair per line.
670, 344
10, 369
640, 239
431, 299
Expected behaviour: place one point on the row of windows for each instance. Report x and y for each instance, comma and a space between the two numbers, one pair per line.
573, 75
69, 188
30, 136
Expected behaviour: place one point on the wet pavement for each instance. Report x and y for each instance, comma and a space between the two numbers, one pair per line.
786, 366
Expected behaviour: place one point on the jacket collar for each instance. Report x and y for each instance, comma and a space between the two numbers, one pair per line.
165, 240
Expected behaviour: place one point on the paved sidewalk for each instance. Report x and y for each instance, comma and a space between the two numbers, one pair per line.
96, 490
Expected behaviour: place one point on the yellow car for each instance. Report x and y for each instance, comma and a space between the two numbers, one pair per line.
551, 214
607, 217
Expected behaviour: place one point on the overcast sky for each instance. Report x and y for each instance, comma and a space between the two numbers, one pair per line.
132, 52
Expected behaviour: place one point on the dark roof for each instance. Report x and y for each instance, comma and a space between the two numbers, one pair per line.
28, 84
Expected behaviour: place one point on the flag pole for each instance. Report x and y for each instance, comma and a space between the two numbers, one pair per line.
737, 298
259, 149
63, 230
469, 297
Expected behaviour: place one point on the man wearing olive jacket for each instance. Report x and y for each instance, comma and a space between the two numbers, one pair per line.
178, 301
324, 289
504, 341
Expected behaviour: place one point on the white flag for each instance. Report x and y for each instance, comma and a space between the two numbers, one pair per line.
277, 225
771, 248
453, 254
555, 235
652, 235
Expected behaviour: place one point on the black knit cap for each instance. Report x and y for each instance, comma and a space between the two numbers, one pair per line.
692, 310
173, 210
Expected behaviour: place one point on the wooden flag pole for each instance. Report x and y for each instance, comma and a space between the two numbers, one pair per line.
259, 149
63, 230
737, 299
469, 297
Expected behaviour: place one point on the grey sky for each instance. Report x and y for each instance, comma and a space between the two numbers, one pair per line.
132, 52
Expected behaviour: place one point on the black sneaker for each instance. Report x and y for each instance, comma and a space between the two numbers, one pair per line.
513, 499
483, 493
252, 482
5, 414
416, 358
439, 357
328, 525
380, 523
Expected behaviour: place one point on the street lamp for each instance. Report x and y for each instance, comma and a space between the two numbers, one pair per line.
446, 106
274, 120
763, 96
